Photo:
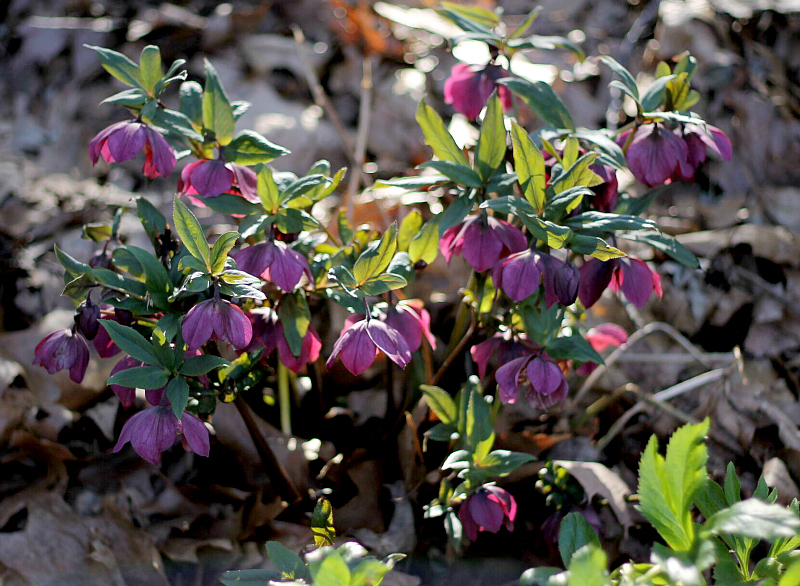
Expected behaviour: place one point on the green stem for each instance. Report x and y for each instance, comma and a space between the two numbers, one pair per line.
284, 398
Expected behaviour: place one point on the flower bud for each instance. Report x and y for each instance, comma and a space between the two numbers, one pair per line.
86, 318
566, 284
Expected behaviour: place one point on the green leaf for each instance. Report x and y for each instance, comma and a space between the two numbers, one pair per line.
191, 232
475, 14
295, 317
455, 212
538, 576
191, 102
377, 256
655, 93
134, 98
668, 486
203, 364
227, 203
288, 563
383, 283
529, 20
492, 142
565, 202
791, 576
440, 403
424, 246
608, 223
733, 488
578, 174
119, 66
156, 277
409, 227
478, 421
628, 81
499, 463
666, 244
331, 571
150, 67
217, 110
267, 190
547, 43
437, 136
542, 100
219, 253
461, 174
73, 267
587, 567
175, 122
178, 394
131, 342
755, 519
604, 143
554, 235
573, 347
249, 148
593, 246
322, 523
574, 533
140, 377
249, 577
529, 165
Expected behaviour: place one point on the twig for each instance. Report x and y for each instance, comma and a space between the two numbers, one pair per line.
364, 116
284, 399
458, 348
272, 466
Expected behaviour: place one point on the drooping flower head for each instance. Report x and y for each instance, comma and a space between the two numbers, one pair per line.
519, 276
655, 154
87, 319
103, 343
309, 351
469, 87
276, 262
410, 318
126, 395
63, 350
487, 509
213, 177
630, 275
607, 193
535, 377
219, 320
697, 140
503, 345
121, 141
358, 345
483, 240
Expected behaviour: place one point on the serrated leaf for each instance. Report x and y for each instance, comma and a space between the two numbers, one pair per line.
529, 165
191, 233
755, 519
437, 136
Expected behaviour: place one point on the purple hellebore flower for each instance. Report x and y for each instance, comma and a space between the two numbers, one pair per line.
358, 346
520, 275
630, 275
126, 395
484, 240
121, 141
63, 349
219, 320
506, 349
264, 322
487, 509
539, 378
276, 262
309, 351
469, 87
213, 177
605, 194
411, 319
601, 338
87, 319
696, 142
655, 154
155, 430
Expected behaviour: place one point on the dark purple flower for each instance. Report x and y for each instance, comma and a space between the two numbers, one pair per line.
487, 509
484, 240
696, 142
121, 141
63, 349
655, 154
358, 346
520, 274
155, 430
469, 87
126, 395
276, 262
88, 316
506, 349
309, 351
538, 378
213, 177
605, 194
411, 319
565, 283
630, 275
219, 320
265, 330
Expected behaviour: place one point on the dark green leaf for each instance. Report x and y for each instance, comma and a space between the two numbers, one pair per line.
288, 563
133, 98
203, 364
455, 212
628, 80
178, 394
249, 148
295, 317
73, 267
655, 93
140, 377
603, 222
191, 233
574, 533
131, 342
156, 276
541, 98
249, 577
383, 283
573, 347
176, 122
666, 244
191, 101
459, 173
119, 66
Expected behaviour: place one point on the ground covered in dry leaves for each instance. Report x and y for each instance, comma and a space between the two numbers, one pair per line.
723, 341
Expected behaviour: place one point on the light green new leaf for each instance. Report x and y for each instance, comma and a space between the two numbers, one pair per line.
409, 227
219, 253
579, 174
217, 110
588, 567
150, 67
440, 403
529, 165
437, 136
191, 232
492, 142
374, 260
425, 245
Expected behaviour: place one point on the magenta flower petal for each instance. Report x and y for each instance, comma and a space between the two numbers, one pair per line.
452, 240
412, 323
103, 343
126, 395
126, 141
606, 336
481, 248
247, 181
256, 259
508, 378
545, 376
99, 141
466, 90
288, 267
486, 511
481, 353
198, 325
519, 275
470, 526
194, 435
159, 156
540, 401
232, 325
150, 432
63, 350
595, 276
390, 342
266, 330
635, 279
355, 348
655, 153
210, 178
309, 351
513, 240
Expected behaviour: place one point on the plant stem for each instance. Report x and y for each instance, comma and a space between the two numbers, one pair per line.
284, 398
455, 351
272, 466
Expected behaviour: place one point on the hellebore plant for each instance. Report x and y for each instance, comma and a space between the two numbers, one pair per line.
537, 216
